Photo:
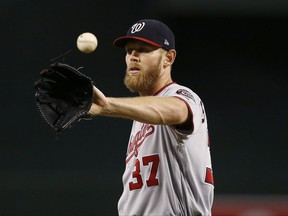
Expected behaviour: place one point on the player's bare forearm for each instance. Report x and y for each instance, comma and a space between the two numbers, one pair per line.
149, 109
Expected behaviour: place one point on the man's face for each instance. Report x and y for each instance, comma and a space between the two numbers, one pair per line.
143, 65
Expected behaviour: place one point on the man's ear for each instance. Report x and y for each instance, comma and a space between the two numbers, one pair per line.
170, 57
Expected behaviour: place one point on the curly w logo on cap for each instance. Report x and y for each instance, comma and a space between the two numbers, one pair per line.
137, 27
149, 31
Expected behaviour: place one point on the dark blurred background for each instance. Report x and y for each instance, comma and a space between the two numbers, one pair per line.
233, 54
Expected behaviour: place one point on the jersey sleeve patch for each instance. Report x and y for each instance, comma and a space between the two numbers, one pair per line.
185, 93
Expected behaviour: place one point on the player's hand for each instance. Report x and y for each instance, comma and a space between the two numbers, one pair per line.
98, 102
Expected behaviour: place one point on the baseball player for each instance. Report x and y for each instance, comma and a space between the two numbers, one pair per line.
168, 166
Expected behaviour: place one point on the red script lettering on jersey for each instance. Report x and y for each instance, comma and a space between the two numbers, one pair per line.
137, 140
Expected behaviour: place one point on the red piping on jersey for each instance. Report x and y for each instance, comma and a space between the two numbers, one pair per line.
189, 108
161, 89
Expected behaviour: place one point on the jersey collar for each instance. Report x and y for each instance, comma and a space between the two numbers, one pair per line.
161, 89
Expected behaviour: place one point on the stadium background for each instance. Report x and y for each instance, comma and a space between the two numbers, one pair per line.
233, 54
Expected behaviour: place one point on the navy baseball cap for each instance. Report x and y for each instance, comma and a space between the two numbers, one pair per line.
150, 31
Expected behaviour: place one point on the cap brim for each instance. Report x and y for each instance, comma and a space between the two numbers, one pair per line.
121, 41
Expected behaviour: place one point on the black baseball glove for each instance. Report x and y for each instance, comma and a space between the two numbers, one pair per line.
63, 95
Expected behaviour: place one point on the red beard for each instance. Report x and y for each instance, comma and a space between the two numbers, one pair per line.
144, 80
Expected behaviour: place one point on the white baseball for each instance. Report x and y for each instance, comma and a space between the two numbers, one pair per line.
87, 42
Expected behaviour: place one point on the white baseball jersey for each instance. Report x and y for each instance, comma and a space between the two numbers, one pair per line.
168, 171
